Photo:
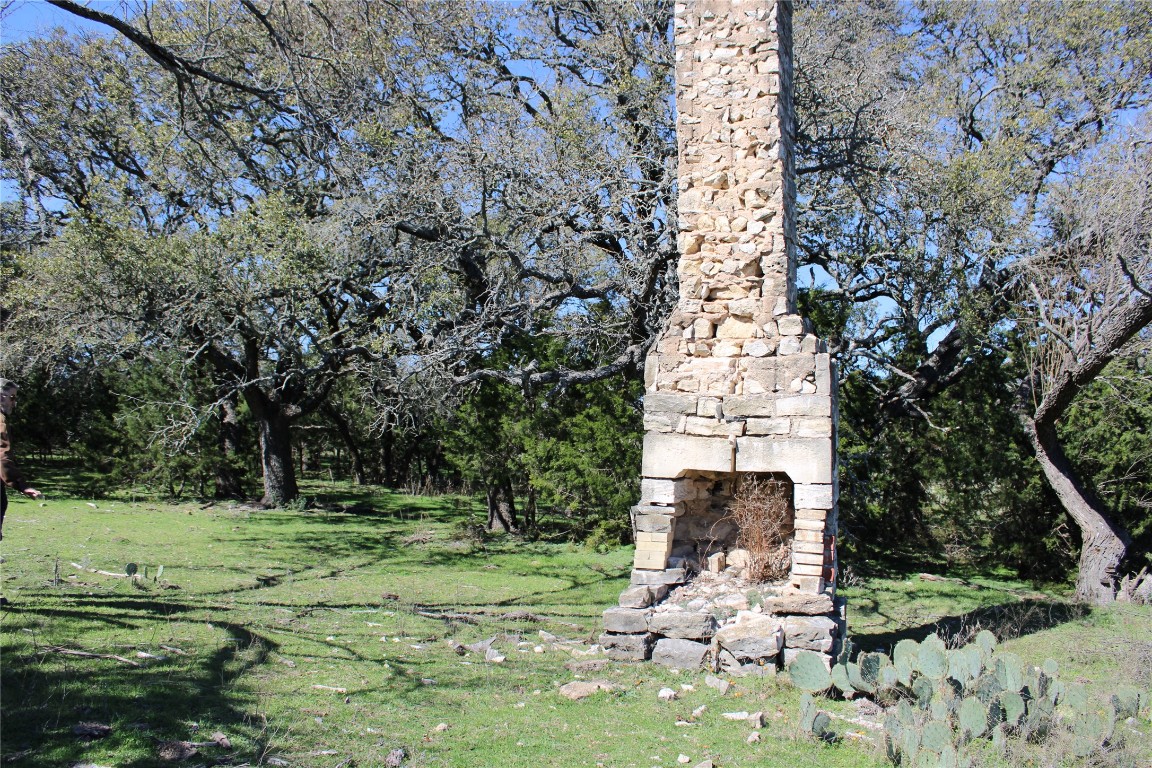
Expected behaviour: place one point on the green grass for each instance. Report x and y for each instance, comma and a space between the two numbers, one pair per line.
319, 638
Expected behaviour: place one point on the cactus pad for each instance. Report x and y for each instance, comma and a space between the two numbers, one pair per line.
808, 672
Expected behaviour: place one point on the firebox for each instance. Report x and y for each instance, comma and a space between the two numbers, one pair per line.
739, 391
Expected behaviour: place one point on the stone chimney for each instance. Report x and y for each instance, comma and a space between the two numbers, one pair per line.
737, 386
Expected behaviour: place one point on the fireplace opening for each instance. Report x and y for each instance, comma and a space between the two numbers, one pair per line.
743, 521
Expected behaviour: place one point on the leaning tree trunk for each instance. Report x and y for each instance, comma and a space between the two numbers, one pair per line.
501, 506
1104, 543
275, 450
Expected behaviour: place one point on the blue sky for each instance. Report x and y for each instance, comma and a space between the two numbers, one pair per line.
22, 19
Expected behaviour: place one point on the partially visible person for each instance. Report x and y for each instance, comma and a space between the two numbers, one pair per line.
9, 474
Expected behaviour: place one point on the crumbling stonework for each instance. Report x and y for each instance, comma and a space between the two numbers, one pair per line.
738, 384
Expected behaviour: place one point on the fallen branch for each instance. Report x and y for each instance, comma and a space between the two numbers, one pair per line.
88, 655
105, 573
464, 617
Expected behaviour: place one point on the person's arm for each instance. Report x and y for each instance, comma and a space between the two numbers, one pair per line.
9, 473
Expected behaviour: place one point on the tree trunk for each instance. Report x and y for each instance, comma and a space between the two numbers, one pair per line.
1104, 543
275, 450
228, 485
345, 430
501, 506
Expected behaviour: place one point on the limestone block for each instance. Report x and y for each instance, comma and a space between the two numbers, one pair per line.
812, 426
759, 638
661, 422
642, 596
654, 524
804, 569
676, 510
661, 491
672, 455
789, 345
728, 348
681, 654
626, 647
668, 576
668, 403
806, 515
777, 426
736, 328
811, 547
626, 620
790, 325
804, 405
814, 495
687, 625
649, 560
744, 307
744, 406
696, 425
710, 407
813, 633
759, 347
811, 537
825, 375
797, 602
808, 558
813, 584
702, 328
806, 460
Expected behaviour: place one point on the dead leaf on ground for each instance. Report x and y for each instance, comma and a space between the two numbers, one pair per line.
174, 751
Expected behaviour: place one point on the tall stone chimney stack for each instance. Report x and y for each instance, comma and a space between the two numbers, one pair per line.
738, 386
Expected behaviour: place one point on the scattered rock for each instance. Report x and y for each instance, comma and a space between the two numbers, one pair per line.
699, 710
756, 719
735, 715
482, 646
704, 764
221, 740
582, 689
585, 666
91, 731
719, 684
683, 759
395, 758
440, 728
667, 694
493, 656
754, 737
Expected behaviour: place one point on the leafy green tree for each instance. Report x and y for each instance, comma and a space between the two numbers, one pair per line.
383, 195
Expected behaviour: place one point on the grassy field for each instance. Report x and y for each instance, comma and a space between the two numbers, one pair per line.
323, 637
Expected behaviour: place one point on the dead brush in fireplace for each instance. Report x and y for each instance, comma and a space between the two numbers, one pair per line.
759, 508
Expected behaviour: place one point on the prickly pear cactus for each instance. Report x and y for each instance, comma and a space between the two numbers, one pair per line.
808, 672
941, 700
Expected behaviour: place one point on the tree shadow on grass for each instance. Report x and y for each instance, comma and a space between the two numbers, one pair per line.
46, 693
1006, 621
